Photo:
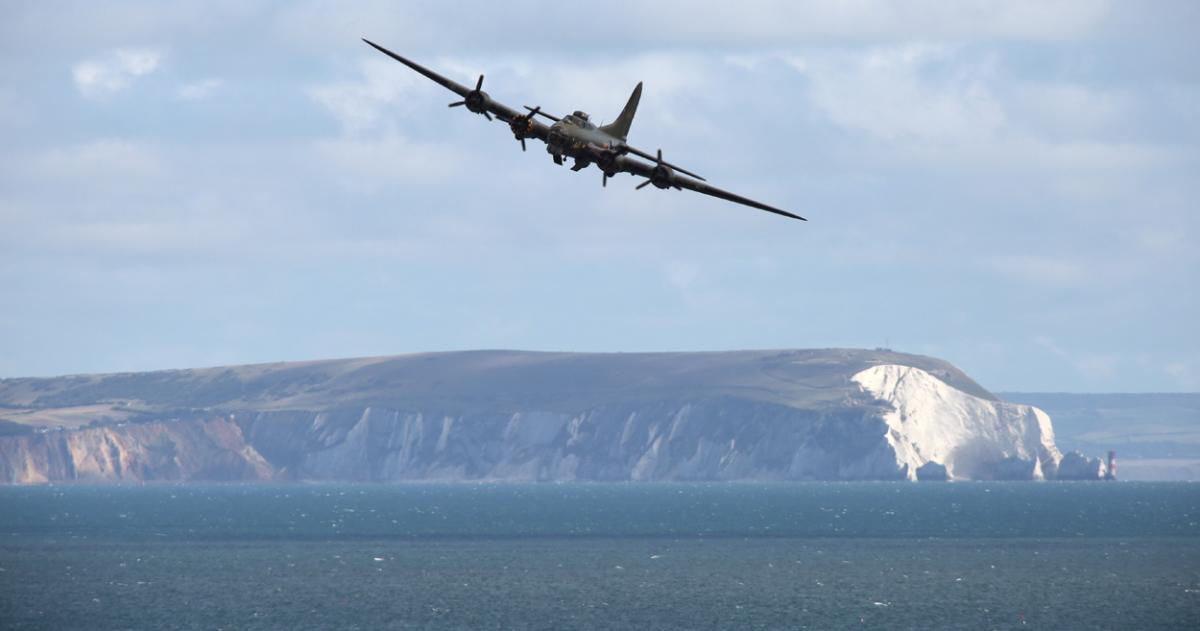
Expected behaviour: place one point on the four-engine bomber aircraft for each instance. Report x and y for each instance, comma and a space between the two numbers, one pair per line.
574, 136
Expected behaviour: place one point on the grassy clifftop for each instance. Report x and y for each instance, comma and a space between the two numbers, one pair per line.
465, 381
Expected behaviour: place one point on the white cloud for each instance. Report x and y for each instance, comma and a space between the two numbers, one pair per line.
130, 238
698, 287
1021, 19
1042, 270
1069, 108
889, 93
103, 77
669, 23
8, 107
671, 81
682, 275
959, 108
197, 90
1090, 365
359, 105
386, 89
914, 134
1155, 240
1184, 372
107, 161
366, 166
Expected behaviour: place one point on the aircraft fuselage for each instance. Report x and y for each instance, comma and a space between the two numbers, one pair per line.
577, 138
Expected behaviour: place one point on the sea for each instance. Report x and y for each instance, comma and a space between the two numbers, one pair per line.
974, 555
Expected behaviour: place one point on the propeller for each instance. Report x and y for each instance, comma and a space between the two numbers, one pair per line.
476, 100
521, 125
643, 154
538, 111
608, 161
662, 176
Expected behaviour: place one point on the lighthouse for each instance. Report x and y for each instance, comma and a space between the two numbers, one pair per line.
1111, 474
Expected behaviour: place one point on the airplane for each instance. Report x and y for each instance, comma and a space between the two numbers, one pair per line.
574, 136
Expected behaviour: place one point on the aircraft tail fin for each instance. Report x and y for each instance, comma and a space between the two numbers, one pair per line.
620, 127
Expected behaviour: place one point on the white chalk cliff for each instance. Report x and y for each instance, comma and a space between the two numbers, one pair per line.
970, 437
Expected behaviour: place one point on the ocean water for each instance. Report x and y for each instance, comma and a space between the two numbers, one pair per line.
612, 556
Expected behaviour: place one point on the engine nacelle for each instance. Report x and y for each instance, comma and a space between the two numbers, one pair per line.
521, 126
610, 162
477, 101
663, 176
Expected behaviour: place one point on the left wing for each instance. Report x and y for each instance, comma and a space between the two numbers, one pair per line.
475, 99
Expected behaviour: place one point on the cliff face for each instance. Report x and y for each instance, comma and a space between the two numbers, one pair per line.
189, 450
969, 437
769, 415
701, 440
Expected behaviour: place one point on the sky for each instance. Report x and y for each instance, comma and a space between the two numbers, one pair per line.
1011, 186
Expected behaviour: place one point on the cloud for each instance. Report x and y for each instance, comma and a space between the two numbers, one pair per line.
104, 162
671, 23
1042, 270
1000, 169
103, 77
197, 90
787, 20
1184, 372
1161, 240
369, 165
963, 109
385, 91
673, 81
359, 105
8, 107
1091, 365
682, 275
1071, 109
897, 93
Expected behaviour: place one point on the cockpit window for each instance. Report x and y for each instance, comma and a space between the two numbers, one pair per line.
579, 119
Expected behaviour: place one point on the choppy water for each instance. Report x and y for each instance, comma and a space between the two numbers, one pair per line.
817, 556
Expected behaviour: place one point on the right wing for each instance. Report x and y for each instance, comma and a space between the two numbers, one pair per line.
681, 182
638, 152
707, 189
